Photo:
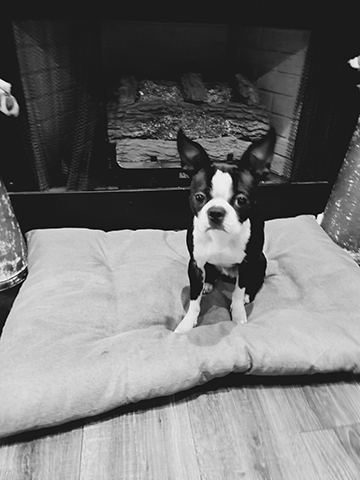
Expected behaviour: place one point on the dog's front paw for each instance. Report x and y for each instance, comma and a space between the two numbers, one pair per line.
191, 318
208, 288
238, 312
187, 323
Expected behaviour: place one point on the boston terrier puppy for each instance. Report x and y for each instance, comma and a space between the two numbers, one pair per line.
227, 232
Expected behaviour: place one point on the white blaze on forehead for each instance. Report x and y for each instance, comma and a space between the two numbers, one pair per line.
222, 185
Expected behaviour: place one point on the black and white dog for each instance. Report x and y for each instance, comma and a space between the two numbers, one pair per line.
227, 233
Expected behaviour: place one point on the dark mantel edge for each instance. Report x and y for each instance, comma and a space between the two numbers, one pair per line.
160, 208
303, 14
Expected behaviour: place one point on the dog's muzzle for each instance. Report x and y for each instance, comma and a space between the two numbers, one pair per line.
216, 215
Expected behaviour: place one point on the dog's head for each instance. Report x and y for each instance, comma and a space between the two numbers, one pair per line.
221, 197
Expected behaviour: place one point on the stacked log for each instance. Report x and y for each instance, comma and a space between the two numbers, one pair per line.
144, 124
152, 153
193, 88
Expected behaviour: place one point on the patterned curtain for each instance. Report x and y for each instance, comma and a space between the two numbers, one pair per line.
59, 63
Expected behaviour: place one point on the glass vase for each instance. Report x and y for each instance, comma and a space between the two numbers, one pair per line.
341, 219
13, 252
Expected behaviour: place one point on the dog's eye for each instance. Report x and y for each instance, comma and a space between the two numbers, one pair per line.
241, 200
200, 197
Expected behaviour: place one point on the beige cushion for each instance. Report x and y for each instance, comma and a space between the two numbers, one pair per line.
92, 326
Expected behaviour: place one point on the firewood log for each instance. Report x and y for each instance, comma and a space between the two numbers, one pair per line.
193, 88
150, 153
161, 120
245, 91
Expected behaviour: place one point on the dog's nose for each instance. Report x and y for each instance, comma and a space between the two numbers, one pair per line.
216, 215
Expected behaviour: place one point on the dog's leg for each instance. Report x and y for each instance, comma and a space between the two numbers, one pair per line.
197, 278
239, 298
211, 275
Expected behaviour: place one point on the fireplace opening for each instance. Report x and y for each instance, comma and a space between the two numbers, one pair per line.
101, 100
223, 85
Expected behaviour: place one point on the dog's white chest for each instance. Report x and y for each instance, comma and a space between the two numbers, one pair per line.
220, 248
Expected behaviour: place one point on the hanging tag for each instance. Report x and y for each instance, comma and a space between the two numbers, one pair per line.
8, 103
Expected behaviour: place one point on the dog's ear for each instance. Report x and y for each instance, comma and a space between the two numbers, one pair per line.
193, 156
257, 158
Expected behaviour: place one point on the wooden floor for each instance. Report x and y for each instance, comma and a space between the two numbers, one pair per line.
233, 428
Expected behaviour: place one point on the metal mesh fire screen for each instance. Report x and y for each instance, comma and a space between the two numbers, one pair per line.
59, 70
326, 110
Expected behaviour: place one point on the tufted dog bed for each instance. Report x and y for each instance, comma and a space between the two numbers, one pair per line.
92, 326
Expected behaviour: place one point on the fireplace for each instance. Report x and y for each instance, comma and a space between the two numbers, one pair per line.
222, 84
79, 132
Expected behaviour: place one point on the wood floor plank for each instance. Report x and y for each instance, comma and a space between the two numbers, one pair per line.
55, 457
330, 453
327, 404
150, 443
231, 437
336, 404
349, 438
220, 453
232, 428
281, 431
334, 452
